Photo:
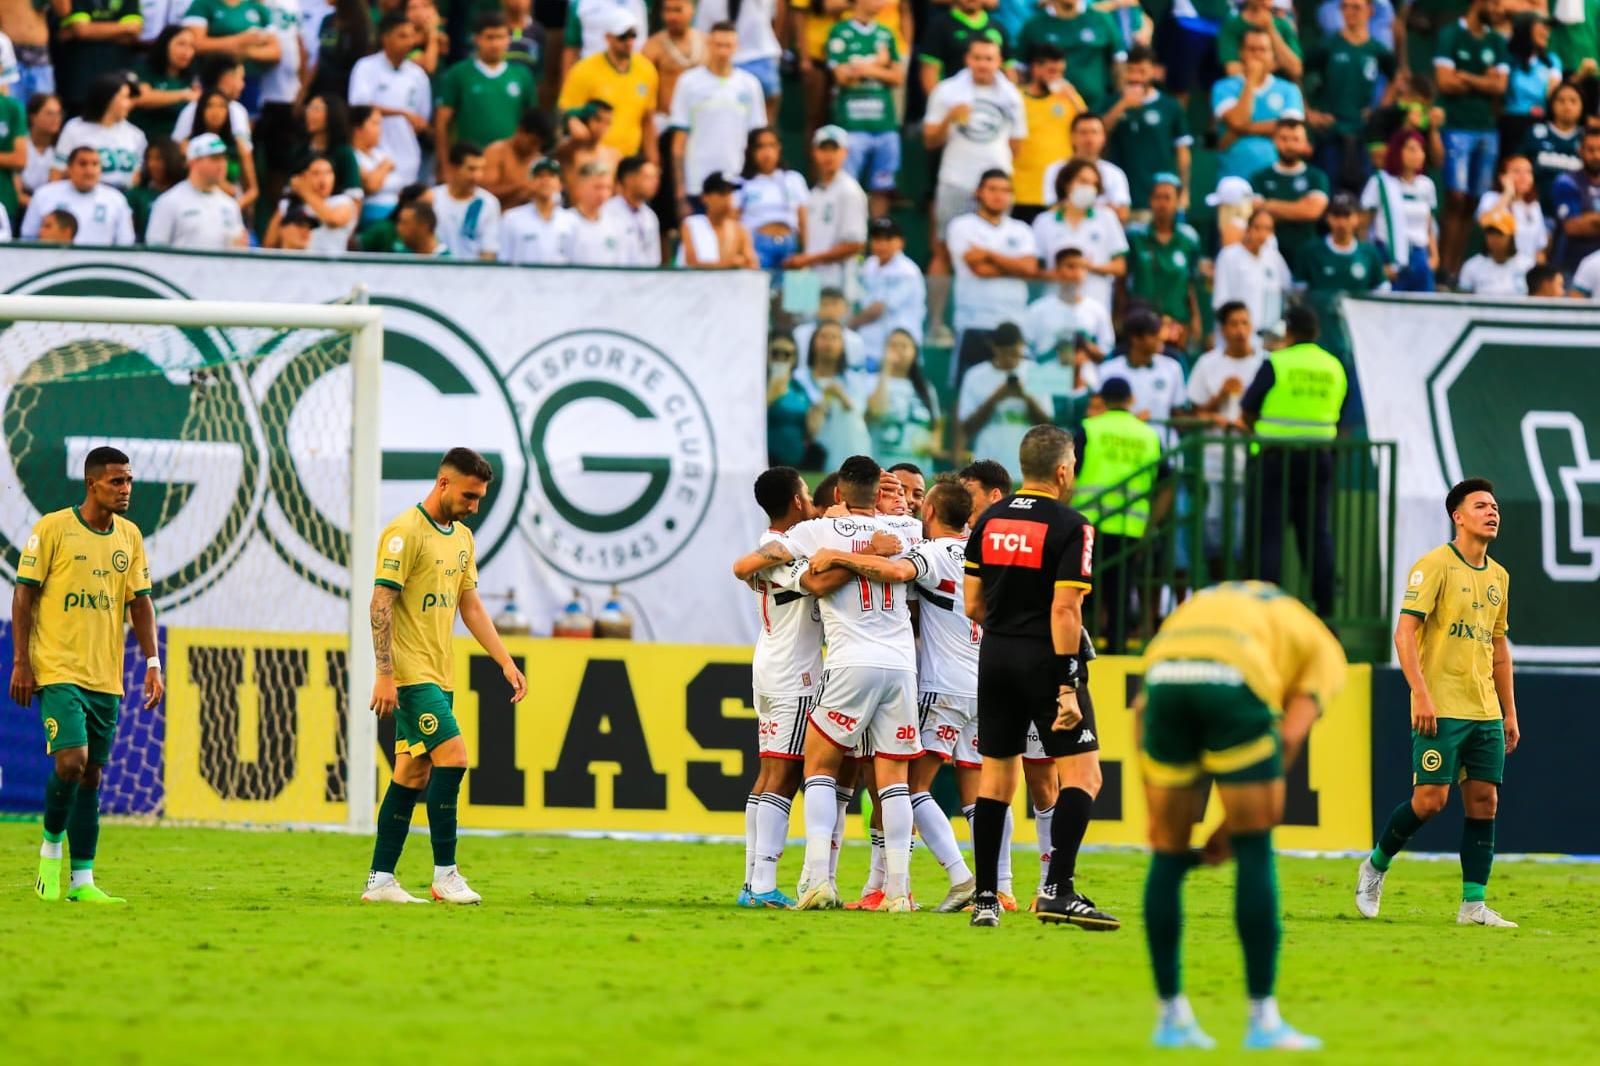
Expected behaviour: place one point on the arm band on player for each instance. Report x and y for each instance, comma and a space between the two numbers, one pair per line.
153, 663
1068, 671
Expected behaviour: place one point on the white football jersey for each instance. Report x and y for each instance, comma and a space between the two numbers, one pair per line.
788, 659
907, 527
868, 623
947, 654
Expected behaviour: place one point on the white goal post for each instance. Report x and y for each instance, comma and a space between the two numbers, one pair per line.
51, 342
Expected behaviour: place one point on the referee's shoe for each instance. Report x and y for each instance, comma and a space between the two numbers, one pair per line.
1058, 906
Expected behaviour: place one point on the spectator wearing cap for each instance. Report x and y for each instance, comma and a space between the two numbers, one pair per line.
539, 232
1266, 16
1234, 201
1081, 220
1216, 390
832, 306
716, 239
1088, 40
1247, 107
311, 192
1050, 104
468, 214
400, 90
1517, 193
295, 231
598, 238
93, 38
836, 215
1253, 272
864, 62
1472, 65
1340, 262
1500, 269
1577, 199
1546, 281
997, 404
482, 99
638, 181
103, 214
1343, 74
196, 213
1148, 133
1164, 258
1401, 201
626, 81
1064, 323
1155, 377
1120, 490
588, 22
995, 257
104, 126
1292, 191
894, 295
714, 108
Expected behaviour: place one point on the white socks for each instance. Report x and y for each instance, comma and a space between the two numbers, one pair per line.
940, 838
876, 869
821, 809
1264, 1013
50, 849
442, 872
1003, 873
772, 832
1176, 1011
82, 877
895, 801
843, 796
1041, 825
377, 879
752, 802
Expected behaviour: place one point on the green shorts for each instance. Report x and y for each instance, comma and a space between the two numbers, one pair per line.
424, 719
74, 717
1201, 718
1465, 749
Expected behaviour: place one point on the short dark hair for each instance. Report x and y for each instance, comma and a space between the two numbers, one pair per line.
989, 473
831, 292
423, 214
490, 20
1590, 132
1251, 30
725, 26
1300, 324
628, 166
776, 489
991, 174
1086, 116
907, 468
391, 22
461, 151
72, 156
95, 463
1462, 489
977, 39
65, 219
1071, 251
1043, 449
858, 480
950, 503
359, 113
1044, 52
827, 491
1141, 53
1538, 275
1231, 308
410, 194
468, 462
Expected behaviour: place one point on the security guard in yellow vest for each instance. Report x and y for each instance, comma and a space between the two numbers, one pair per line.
1299, 395
1119, 470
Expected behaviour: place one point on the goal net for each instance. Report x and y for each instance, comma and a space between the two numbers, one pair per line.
252, 430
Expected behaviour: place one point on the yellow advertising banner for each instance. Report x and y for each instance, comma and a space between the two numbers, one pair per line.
613, 736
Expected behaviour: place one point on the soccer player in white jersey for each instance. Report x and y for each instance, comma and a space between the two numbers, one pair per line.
868, 690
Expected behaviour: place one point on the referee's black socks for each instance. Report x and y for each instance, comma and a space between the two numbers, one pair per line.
1066, 835
988, 827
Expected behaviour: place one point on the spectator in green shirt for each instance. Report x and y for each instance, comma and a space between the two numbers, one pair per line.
1164, 259
1092, 44
1473, 66
1340, 262
1148, 133
1292, 191
93, 37
480, 99
236, 28
1286, 61
13, 152
1342, 76
166, 82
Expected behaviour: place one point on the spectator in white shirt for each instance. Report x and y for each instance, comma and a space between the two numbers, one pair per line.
994, 260
1501, 269
714, 108
638, 181
469, 216
196, 213
832, 306
772, 200
104, 126
836, 215
1067, 320
401, 92
1088, 142
380, 182
1252, 272
103, 215
1516, 193
838, 417
893, 294
1216, 389
598, 238
1156, 378
977, 117
540, 231
1080, 220
311, 191
997, 404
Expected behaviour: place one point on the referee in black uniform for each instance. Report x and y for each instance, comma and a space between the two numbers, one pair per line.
1030, 561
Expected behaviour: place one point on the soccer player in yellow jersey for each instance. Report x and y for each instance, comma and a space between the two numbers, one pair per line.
1451, 640
79, 571
427, 571
1233, 682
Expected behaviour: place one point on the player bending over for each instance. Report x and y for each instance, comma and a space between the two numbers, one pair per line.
427, 571
82, 567
1451, 639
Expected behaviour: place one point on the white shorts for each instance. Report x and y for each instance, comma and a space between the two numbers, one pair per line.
781, 725
1034, 751
950, 727
869, 703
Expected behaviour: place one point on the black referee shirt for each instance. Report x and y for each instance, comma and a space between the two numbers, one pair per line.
1024, 548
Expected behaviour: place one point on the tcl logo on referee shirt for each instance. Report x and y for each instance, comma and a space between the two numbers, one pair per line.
1008, 542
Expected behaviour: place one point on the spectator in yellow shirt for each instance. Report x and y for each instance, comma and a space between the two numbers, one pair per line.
627, 82
1051, 103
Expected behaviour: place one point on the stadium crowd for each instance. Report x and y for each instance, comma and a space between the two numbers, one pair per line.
1101, 187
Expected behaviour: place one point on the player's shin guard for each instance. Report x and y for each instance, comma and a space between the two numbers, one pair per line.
895, 802
752, 804
394, 822
772, 832
1071, 821
821, 814
443, 789
83, 828
1041, 825
1163, 919
1477, 857
1255, 910
940, 838
1402, 825
988, 830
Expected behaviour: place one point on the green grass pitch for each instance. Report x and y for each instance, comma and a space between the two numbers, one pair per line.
252, 947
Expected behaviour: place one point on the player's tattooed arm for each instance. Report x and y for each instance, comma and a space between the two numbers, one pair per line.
773, 554
385, 697
871, 567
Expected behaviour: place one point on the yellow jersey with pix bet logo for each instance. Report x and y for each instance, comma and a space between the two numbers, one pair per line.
430, 566
1463, 608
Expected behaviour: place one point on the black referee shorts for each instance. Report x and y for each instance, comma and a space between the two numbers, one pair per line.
1017, 688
